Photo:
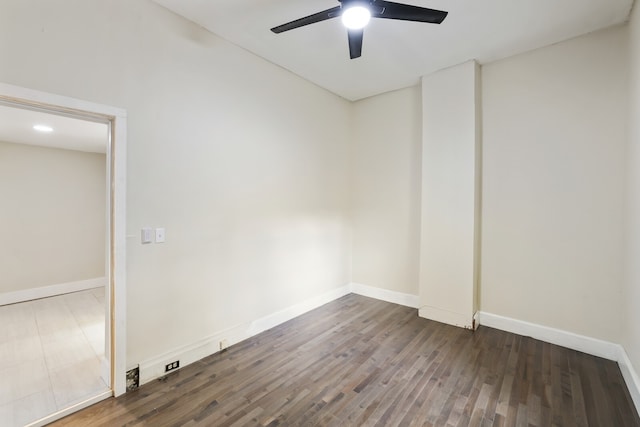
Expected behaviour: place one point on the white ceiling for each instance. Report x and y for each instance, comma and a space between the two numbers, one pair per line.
396, 53
16, 126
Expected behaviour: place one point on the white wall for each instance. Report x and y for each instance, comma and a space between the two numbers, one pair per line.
632, 296
553, 185
245, 164
52, 221
386, 190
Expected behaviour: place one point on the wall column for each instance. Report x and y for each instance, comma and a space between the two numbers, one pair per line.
451, 159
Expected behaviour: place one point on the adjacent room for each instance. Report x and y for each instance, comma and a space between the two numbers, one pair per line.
430, 223
52, 290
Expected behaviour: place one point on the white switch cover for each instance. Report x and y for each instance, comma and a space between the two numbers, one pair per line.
146, 236
159, 235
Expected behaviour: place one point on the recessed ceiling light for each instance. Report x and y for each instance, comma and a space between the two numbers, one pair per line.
43, 128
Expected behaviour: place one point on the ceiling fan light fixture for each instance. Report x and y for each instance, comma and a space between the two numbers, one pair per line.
356, 17
356, 14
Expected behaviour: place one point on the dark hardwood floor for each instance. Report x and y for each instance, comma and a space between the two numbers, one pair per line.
358, 361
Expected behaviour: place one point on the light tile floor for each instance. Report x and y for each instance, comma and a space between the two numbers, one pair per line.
50, 355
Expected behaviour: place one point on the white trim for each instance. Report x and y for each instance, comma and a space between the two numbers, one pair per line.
582, 343
50, 291
630, 377
153, 368
67, 411
394, 297
119, 227
25, 95
446, 316
593, 346
275, 319
117, 274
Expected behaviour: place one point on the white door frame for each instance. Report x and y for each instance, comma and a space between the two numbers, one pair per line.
115, 350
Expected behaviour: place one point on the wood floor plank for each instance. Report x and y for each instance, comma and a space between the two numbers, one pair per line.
358, 361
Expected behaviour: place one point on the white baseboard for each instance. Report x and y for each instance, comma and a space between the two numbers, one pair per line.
593, 346
630, 377
50, 291
153, 368
72, 409
394, 297
271, 320
596, 347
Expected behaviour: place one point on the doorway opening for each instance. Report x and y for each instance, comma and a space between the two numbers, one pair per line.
82, 299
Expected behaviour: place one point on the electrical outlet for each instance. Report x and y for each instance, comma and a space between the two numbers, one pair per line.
171, 366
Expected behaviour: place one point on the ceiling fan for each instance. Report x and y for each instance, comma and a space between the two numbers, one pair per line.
356, 14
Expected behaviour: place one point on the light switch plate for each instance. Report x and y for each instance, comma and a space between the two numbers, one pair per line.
146, 235
160, 235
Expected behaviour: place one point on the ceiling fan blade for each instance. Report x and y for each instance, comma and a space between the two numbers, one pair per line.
355, 43
407, 12
311, 19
